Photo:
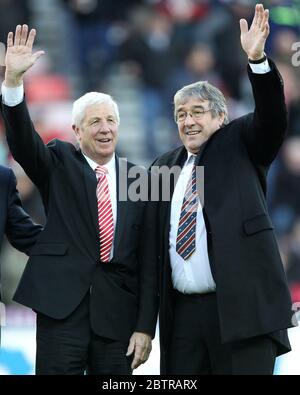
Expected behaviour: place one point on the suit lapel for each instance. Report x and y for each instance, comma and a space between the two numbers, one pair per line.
176, 160
204, 146
199, 161
90, 182
122, 206
200, 177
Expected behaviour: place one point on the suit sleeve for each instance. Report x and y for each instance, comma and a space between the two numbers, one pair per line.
266, 128
26, 145
148, 303
21, 232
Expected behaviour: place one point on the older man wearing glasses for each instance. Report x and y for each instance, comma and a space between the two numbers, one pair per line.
224, 300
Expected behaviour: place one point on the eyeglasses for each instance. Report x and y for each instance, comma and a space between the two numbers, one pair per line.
195, 114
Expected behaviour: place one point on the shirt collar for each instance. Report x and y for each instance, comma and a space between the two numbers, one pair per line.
110, 166
191, 157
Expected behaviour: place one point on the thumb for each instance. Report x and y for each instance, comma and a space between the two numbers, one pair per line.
130, 347
243, 26
36, 55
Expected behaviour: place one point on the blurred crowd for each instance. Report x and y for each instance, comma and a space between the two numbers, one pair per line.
162, 45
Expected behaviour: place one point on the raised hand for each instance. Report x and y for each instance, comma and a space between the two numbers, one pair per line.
19, 57
253, 40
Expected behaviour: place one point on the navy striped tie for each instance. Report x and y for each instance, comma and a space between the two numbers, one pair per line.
186, 234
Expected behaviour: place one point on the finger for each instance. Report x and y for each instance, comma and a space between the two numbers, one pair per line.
130, 348
265, 19
141, 355
244, 26
135, 363
144, 356
31, 38
267, 13
10, 39
137, 360
254, 21
260, 14
146, 351
24, 33
37, 55
17, 35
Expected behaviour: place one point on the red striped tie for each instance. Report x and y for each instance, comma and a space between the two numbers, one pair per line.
105, 214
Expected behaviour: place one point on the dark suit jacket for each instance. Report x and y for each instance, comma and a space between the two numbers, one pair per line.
21, 232
252, 293
64, 265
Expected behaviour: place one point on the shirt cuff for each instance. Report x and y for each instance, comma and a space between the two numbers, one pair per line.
12, 96
260, 68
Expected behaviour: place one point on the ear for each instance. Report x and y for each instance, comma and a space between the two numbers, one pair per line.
221, 119
76, 131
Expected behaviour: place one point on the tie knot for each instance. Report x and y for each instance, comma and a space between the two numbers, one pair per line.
101, 170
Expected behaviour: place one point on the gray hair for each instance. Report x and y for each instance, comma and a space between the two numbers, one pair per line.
89, 99
204, 91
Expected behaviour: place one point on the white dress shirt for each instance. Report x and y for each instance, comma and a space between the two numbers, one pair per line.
260, 68
192, 275
12, 96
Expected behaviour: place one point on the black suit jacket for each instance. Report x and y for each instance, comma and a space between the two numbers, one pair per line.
252, 292
21, 232
64, 265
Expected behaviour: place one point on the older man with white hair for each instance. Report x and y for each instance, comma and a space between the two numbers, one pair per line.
94, 293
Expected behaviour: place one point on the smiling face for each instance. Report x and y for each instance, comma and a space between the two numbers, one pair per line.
196, 123
97, 134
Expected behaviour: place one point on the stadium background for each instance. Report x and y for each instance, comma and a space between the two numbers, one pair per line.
141, 52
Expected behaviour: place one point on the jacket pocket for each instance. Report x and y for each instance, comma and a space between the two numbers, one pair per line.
257, 224
49, 249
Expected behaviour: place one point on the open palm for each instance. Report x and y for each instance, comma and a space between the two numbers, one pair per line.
253, 40
19, 57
